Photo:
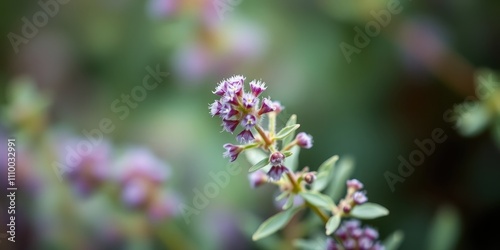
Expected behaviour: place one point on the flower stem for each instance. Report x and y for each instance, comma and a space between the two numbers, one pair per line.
290, 145
272, 123
324, 217
263, 135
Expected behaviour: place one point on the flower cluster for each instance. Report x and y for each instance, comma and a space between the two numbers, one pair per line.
237, 107
270, 152
352, 237
354, 196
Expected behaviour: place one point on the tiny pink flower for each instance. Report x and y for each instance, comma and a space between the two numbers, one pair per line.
249, 121
304, 140
359, 198
257, 87
226, 111
276, 172
215, 108
232, 151
234, 85
249, 100
230, 125
267, 106
245, 136
220, 90
277, 107
354, 184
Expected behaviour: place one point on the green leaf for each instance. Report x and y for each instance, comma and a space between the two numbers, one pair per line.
343, 171
255, 155
393, 241
445, 230
369, 211
289, 202
281, 196
286, 131
325, 174
318, 199
264, 162
312, 244
289, 138
292, 162
332, 224
275, 223
287, 153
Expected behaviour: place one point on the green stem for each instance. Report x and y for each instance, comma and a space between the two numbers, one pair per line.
264, 136
290, 145
324, 217
272, 123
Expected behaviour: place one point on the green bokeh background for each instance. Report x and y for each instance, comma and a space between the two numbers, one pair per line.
394, 92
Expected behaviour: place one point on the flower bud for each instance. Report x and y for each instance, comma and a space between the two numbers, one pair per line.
304, 140
309, 178
276, 158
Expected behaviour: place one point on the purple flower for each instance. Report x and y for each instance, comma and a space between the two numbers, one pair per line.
354, 184
234, 85
277, 107
249, 100
245, 136
331, 245
257, 178
365, 243
257, 87
220, 90
352, 235
267, 106
230, 125
226, 111
276, 172
304, 140
249, 121
276, 159
351, 225
359, 197
349, 244
232, 151
215, 108
370, 233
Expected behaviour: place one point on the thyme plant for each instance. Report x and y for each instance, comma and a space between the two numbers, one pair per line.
274, 156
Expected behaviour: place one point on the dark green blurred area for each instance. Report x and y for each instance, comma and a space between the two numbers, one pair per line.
393, 92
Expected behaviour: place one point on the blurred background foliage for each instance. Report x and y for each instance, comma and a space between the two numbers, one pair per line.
393, 92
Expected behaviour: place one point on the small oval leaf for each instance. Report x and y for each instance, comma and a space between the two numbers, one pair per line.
275, 223
289, 202
393, 241
289, 138
286, 131
318, 199
325, 174
332, 224
369, 211
259, 165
